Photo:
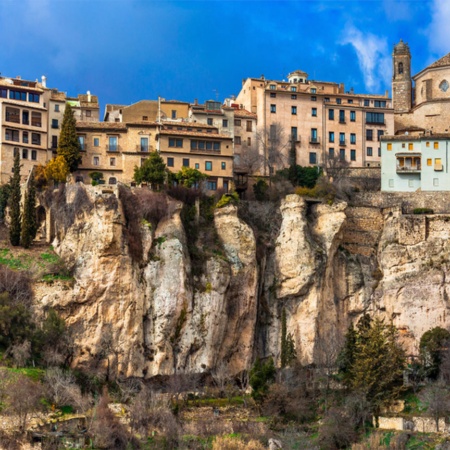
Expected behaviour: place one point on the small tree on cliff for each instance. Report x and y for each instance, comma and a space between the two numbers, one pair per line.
14, 203
152, 171
69, 145
29, 225
288, 352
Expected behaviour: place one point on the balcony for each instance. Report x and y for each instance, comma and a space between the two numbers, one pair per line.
113, 148
375, 122
342, 143
295, 139
314, 140
343, 121
409, 169
144, 148
407, 163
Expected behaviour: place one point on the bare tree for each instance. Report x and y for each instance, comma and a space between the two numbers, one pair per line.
107, 349
336, 168
437, 397
221, 376
249, 159
21, 353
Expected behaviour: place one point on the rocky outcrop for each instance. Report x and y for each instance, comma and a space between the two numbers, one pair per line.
324, 265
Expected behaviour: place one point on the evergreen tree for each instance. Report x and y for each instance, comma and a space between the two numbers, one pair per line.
29, 223
14, 203
288, 352
261, 376
292, 174
432, 346
152, 171
69, 145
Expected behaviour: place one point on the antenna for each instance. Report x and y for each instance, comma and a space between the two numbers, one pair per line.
217, 93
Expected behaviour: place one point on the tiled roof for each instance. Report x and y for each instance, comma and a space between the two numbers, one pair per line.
187, 125
209, 112
58, 96
444, 61
244, 113
415, 137
195, 134
32, 105
102, 126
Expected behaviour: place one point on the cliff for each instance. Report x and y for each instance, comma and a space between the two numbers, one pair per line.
324, 264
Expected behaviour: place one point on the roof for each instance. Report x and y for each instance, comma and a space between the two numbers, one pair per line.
22, 103
415, 137
195, 134
244, 113
444, 61
116, 126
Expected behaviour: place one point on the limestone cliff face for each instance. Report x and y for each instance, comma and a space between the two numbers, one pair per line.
325, 266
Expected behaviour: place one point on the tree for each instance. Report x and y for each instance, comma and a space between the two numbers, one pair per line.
69, 146
249, 160
14, 203
96, 177
189, 177
262, 375
29, 222
436, 397
432, 346
373, 362
57, 170
152, 171
288, 352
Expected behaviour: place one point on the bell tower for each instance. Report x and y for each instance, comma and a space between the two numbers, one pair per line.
401, 78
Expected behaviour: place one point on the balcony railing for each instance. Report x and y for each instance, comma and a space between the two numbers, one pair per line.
342, 142
143, 148
375, 122
342, 121
409, 169
314, 140
112, 148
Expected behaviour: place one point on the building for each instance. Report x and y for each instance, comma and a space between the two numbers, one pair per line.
415, 161
421, 102
320, 118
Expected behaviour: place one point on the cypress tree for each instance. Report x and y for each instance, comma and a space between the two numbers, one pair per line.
29, 225
69, 145
288, 352
14, 203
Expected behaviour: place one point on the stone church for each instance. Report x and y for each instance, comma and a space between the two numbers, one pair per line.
421, 102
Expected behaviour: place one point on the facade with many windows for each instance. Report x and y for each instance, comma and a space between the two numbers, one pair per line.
320, 118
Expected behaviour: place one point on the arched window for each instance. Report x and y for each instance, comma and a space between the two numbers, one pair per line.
112, 180
400, 67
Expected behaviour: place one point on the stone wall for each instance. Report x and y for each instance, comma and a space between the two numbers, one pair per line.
419, 424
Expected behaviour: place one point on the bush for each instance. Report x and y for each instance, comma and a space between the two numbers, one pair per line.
232, 198
260, 189
262, 375
153, 206
96, 177
423, 211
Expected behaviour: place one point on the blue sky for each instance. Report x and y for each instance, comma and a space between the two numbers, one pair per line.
127, 50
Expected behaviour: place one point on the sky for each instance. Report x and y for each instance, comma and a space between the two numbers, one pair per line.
128, 50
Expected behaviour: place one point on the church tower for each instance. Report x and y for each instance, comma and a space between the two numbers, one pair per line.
401, 78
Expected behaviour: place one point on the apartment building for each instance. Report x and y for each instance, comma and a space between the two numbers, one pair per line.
321, 118
24, 125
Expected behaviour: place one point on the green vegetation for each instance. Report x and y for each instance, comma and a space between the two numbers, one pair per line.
189, 177
69, 146
288, 352
260, 189
433, 343
152, 171
14, 203
29, 225
301, 176
96, 177
423, 211
262, 375
227, 199
57, 170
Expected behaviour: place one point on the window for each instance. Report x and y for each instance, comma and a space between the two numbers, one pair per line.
174, 114
55, 123
341, 138
36, 119
435, 181
112, 162
12, 115
225, 185
427, 144
33, 98
11, 135
436, 145
249, 141
211, 185
88, 113
112, 180
341, 116
294, 88
313, 98
273, 94
96, 142
223, 165
225, 123
410, 146
56, 108
400, 67
369, 135
331, 136
54, 141
366, 102
35, 139
293, 110
144, 144
391, 183
352, 155
389, 145
338, 101
273, 87
112, 144
144, 118
369, 151
379, 103
173, 142
327, 99
96, 160
350, 101
3, 93
379, 134
25, 137
379, 151
352, 116
331, 114
185, 162
313, 90
314, 112
34, 155
429, 162
352, 138
197, 166
15, 153
25, 117
314, 138
273, 108
18, 95
342, 154
237, 122
208, 166
294, 96
81, 140
331, 152
209, 121
24, 153
249, 125
169, 162
294, 133
312, 157
237, 140
375, 118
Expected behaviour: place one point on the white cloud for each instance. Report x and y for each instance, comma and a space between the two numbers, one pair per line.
373, 56
439, 30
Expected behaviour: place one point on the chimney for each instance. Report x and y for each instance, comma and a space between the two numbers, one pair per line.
196, 101
18, 77
89, 96
44, 81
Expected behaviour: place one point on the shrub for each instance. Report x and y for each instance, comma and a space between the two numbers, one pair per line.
262, 374
423, 211
153, 206
235, 443
96, 177
260, 189
232, 198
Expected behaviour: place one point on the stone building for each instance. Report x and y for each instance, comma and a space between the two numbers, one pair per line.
320, 118
421, 102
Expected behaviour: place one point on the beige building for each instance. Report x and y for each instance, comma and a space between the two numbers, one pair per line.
320, 118
422, 101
